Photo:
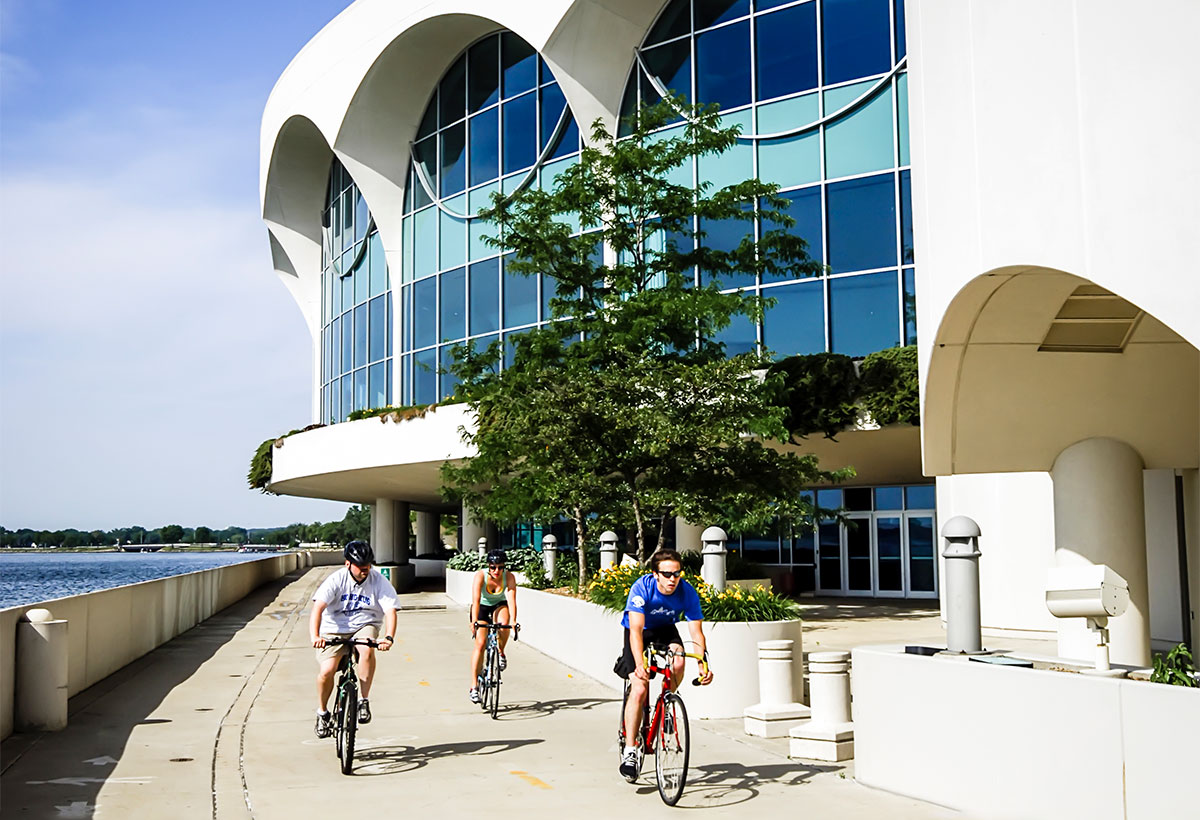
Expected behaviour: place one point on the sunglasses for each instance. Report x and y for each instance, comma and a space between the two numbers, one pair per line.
674, 574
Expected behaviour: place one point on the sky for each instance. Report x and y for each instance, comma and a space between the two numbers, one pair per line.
146, 344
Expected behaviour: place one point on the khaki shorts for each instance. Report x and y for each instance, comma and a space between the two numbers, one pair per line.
325, 653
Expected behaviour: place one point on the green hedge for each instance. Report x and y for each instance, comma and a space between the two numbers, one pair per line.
611, 590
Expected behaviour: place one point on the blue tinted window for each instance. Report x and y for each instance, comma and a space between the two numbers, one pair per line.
519, 64
906, 231
424, 313
787, 51
806, 210
485, 296
378, 329
425, 154
425, 377
347, 343
377, 386
863, 314
672, 65
857, 39
829, 499
889, 498
862, 224
740, 337
360, 389
361, 219
452, 304
360, 335
520, 299
452, 93
554, 104
901, 47
712, 12
920, 497
723, 66
726, 235
485, 146
454, 160
448, 381
483, 63
796, 324
675, 21
548, 292
520, 137
377, 264
347, 396
910, 307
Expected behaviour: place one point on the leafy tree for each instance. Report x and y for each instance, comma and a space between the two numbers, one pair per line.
203, 535
171, 533
626, 408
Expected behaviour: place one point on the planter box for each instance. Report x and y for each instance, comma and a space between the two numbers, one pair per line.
587, 637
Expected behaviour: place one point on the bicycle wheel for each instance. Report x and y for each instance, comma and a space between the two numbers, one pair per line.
494, 684
671, 751
621, 725
485, 684
338, 708
347, 728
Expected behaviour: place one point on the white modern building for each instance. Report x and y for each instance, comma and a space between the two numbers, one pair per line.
1007, 184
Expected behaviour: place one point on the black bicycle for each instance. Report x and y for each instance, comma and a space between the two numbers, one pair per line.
345, 710
489, 676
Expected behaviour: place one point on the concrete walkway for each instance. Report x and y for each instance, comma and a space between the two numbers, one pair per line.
219, 723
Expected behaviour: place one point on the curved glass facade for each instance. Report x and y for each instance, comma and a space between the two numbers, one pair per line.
495, 113
820, 93
356, 305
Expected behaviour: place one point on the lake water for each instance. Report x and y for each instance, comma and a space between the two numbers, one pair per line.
27, 578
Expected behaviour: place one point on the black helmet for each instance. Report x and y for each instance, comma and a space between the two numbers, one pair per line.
496, 556
359, 553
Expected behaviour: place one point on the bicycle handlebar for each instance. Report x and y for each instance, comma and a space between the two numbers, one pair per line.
352, 642
516, 628
672, 653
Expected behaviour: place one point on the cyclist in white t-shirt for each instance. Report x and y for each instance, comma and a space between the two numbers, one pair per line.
351, 603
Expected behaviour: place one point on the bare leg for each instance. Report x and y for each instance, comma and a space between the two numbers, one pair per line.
325, 681
638, 692
366, 669
501, 617
477, 655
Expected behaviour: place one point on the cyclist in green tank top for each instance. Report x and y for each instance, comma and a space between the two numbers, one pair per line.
493, 600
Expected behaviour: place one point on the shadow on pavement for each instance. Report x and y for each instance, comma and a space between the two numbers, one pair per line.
727, 784
529, 710
400, 759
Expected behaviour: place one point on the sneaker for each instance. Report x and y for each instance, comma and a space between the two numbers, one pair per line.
364, 711
473, 695
631, 764
503, 663
324, 725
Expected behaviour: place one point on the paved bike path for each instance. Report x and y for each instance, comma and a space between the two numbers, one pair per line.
218, 723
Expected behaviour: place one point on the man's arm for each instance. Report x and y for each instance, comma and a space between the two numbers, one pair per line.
511, 595
314, 623
700, 647
637, 622
476, 589
389, 628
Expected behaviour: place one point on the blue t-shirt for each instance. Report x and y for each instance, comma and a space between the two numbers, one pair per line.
659, 609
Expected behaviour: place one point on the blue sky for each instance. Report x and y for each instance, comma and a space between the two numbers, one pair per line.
146, 345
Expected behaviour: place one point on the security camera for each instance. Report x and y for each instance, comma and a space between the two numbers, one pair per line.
1091, 591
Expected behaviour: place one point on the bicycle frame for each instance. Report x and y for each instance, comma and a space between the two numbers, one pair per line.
652, 726
346, 698
489, 677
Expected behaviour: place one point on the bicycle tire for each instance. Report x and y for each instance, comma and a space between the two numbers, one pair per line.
671, 751
339, 699
348, 727
494, 674
621, 725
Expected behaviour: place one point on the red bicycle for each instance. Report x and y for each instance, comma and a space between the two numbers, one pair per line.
667, 732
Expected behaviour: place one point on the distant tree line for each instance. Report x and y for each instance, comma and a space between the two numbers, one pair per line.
356, 524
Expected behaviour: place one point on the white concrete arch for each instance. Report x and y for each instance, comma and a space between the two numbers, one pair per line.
993, 402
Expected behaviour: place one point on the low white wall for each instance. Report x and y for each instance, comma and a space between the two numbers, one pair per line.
587, 637
1004, 742
110, 628
429, 567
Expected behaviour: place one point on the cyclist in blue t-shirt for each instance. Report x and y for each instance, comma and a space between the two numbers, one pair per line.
656, 603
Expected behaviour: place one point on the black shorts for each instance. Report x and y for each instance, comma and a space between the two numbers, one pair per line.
485, 611
664, 635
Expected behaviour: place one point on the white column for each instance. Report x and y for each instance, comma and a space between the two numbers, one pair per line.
830, 733
777, 711
40, 697
687, 536
429, 535
1099, 518
383, 530
472, 530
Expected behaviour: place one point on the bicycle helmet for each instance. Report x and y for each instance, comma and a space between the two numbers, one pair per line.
496, 556
359, 553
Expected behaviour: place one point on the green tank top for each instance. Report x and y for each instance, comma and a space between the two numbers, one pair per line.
492, 598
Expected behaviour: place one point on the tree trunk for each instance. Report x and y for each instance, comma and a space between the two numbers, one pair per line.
580, 534
662, 532
641, 530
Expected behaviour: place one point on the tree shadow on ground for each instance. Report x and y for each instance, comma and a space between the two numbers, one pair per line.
530, 710
717, 785
400, 759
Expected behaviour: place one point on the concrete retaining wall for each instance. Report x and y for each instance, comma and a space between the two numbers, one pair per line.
1006, 742
110, 628
587, 637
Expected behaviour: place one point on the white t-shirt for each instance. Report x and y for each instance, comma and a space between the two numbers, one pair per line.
350, 606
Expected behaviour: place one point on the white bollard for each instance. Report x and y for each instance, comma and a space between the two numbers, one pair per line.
608, 550
830, 733
549, 554
777, 712
713, 569
483, 546
40, 702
